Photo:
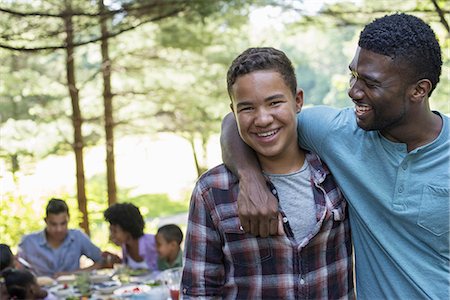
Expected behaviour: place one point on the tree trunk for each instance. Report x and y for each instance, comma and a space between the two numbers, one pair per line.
194, 152
76, 121
107, 101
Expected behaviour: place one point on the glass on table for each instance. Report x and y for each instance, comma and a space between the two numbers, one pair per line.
83, 283
172, 278
122, 272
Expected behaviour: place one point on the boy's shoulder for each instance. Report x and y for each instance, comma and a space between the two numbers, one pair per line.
219, 177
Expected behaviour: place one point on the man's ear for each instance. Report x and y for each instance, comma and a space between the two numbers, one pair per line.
420, 90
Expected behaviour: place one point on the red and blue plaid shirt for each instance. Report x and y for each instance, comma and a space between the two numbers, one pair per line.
222, 261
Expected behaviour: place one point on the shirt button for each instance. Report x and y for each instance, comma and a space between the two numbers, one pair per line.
285, 219
241, 228
185, 291
400, 189
302, 281
405, 166
274, 191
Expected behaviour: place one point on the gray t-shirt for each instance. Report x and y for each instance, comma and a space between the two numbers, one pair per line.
297, 200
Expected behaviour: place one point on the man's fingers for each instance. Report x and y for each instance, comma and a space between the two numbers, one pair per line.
273, 226
254, 227
264, 229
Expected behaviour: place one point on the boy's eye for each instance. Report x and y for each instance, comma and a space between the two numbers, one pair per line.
246, 108
274, 103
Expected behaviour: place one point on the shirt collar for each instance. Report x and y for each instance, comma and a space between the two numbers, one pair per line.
319, 171
43, 238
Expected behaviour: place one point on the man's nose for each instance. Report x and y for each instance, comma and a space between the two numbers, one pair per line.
355, 91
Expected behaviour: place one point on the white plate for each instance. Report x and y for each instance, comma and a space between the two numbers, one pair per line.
107, 287
61, 292
130, 290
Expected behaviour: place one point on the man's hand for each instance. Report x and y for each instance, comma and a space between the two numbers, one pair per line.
258, 207
109, 259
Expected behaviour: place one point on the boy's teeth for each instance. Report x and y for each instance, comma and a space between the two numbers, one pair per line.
264, 134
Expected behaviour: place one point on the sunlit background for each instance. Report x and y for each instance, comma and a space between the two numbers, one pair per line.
166, 84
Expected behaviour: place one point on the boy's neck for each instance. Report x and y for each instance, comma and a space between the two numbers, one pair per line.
173, 257
290, 162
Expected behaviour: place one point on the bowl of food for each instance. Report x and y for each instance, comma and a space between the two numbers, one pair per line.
107, 287
45, 281
99, 278
66, 279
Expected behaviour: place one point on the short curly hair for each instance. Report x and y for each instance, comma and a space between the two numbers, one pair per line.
127, 216
262, 59
408, 40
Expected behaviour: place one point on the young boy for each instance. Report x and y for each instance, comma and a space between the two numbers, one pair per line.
168, 241
314, 259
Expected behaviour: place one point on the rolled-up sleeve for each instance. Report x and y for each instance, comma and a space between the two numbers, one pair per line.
88, 248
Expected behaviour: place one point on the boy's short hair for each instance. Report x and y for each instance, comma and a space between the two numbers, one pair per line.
262, 59
171, 232
56, 206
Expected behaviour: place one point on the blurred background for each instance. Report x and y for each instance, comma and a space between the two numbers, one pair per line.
105, 101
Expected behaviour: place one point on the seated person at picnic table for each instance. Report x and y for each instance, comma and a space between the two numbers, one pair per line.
56, 250
21, 284
126, 229
168, 244
7, 259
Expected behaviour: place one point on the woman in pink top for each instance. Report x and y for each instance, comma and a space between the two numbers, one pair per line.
126, 228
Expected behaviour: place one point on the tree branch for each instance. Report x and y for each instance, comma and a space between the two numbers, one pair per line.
441, 15
35, 49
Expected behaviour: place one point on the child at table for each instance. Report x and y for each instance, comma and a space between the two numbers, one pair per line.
21, 284
168, 245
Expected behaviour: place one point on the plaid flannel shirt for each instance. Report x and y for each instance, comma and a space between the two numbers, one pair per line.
224, 262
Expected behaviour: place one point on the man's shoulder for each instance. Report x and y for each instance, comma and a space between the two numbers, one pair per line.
322, 120
33, 237
77, 235
219, 177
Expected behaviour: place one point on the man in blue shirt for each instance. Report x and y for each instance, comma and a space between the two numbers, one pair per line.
56, 249
390, 155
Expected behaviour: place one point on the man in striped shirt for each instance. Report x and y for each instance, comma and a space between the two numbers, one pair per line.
314, 259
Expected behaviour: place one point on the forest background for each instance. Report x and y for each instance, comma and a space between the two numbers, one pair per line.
121, 100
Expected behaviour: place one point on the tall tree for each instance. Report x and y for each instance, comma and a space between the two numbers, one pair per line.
78, 143
108, 107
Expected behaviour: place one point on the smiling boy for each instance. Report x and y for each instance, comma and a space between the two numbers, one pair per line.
313, 260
